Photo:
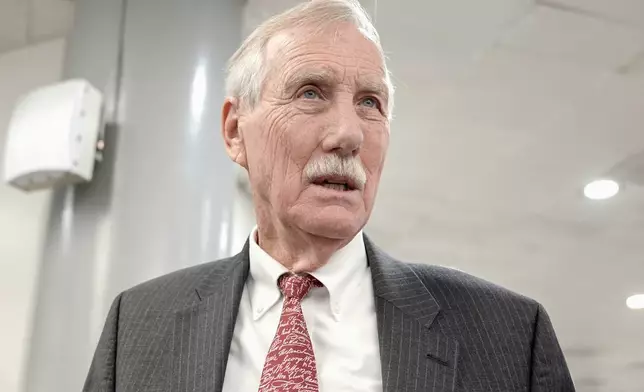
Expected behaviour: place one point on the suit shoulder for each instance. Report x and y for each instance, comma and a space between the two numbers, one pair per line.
173, 290
455, 284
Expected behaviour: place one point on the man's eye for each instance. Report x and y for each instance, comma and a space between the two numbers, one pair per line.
371, 102
310, 94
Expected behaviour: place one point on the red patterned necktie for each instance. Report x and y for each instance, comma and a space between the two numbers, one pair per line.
290, 363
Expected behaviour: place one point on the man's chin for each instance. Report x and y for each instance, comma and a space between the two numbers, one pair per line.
336, 228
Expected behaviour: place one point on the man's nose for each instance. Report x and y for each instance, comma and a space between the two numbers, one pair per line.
345, 136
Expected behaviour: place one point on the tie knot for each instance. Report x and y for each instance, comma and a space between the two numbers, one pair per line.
297, 286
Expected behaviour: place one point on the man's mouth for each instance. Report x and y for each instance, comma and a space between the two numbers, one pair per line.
336, 183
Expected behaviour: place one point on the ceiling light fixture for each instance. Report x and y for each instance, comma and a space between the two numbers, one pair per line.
601, 189
635, 301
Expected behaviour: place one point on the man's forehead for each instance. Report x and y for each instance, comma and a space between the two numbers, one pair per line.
298, 41
286, 51
278, 43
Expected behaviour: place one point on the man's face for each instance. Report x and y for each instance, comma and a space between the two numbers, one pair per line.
324, 97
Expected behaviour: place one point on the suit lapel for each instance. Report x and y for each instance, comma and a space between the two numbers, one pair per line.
415, 354
203, 332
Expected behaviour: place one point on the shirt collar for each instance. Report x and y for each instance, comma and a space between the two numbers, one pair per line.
340, 274
262, 279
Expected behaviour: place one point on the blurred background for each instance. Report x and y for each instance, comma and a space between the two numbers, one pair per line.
506, 110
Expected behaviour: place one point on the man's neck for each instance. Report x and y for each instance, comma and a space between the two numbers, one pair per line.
299, 252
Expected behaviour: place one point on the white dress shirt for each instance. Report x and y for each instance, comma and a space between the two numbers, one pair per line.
340, 317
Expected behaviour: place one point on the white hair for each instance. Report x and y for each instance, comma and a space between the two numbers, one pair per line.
247, 68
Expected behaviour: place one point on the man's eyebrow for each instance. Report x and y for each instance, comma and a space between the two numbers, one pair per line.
373, 86
320, 77
325, 77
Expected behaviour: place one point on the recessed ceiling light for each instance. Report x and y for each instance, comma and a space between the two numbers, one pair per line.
601, 189
635, 301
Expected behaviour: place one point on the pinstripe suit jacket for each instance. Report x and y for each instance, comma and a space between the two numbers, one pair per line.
440, 330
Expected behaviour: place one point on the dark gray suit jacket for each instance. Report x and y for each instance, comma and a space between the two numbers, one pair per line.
440, 330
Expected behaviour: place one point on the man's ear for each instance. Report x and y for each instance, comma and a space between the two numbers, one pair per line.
233, 138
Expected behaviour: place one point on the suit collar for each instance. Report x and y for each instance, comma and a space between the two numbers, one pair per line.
415, 354
203, 332
398, 284
225, 274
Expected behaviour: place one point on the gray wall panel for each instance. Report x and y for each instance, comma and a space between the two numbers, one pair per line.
162, 198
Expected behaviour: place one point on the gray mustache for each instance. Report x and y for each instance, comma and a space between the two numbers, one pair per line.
335, 165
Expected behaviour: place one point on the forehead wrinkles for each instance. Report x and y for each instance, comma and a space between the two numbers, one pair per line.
293, 48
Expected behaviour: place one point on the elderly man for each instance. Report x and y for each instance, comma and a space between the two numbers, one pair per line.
310, 304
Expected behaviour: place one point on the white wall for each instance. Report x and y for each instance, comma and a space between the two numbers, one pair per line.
22, 217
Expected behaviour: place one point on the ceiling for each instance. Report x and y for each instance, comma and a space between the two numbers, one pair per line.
505, 110
25, 22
